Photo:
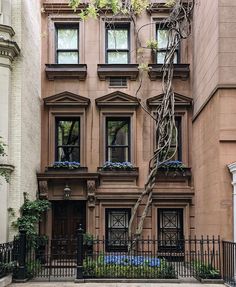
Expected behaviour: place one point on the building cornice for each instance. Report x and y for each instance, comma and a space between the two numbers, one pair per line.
232, 169
8, 49
212, 94
7, 29
61, 8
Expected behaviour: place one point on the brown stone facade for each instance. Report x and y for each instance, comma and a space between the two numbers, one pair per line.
99, 198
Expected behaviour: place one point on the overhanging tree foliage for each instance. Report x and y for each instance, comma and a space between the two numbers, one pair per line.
178, 24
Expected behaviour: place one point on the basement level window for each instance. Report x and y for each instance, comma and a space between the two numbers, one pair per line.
117, 82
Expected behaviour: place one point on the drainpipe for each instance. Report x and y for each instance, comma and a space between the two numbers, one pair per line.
232, 168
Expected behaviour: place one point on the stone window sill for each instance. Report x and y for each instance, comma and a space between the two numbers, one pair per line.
66, 71
181, 71
117, 70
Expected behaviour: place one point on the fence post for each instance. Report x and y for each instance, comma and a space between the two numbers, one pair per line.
79, 273
21, 270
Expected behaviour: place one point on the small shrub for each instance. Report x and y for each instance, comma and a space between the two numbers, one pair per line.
206, 271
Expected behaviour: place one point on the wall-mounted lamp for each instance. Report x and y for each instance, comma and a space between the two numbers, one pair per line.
67, 192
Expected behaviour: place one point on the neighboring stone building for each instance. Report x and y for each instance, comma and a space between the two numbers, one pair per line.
214, 115
20, 90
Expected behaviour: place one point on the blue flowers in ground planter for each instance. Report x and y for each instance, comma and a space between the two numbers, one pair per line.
127, 266
66, 164
126, 165
132, 260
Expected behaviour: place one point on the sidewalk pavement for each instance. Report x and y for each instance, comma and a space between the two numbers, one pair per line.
72, 284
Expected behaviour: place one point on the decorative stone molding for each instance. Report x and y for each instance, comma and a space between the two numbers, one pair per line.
66, 99
61, 8
43, 189
232, 169
7, 29
8, 49
91, 189
180, 100
8, 167
117, 99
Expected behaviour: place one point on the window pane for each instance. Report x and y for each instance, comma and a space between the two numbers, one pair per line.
117, 39
67, 39
116, 154
117, 58
68, 58
68, 132
68, 154
118, 132
161, 57
162, 39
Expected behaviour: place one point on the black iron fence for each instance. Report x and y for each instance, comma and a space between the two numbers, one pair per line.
154, 259
229, 262
8, 260
72, 258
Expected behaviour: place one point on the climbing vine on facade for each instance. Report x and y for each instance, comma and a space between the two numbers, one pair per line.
178, 26
31, 213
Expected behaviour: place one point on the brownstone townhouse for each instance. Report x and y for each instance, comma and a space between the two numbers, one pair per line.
91, 115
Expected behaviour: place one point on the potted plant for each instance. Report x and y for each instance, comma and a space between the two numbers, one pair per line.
88, 243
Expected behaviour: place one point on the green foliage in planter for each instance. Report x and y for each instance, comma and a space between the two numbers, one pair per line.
97, 268
206, 271
173, 165
32, 268
31, 215
87, 239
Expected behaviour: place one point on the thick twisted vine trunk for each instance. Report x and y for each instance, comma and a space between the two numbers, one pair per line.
178, 25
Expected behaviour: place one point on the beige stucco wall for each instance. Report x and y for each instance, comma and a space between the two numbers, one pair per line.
24, 125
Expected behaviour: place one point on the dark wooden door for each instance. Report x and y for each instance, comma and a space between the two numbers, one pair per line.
67, 215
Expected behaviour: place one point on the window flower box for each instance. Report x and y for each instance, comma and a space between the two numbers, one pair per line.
66, 166
117, 166
173, 171
118, 173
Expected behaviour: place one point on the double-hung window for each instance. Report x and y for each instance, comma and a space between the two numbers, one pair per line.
162, 40
67, 44
117, 139
68, 139
117, 43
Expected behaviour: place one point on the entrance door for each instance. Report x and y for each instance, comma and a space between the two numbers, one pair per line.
67, 216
